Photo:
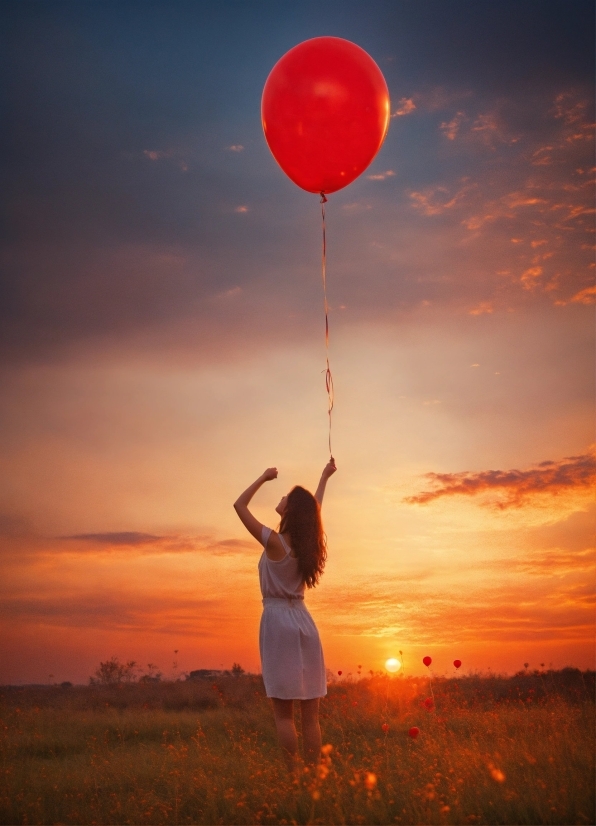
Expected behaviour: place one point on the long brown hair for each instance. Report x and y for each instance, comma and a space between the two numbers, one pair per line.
302, 522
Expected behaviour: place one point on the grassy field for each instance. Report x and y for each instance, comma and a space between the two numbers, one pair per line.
490, 750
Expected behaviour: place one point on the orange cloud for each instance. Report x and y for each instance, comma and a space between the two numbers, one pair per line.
482, 308
491, 129
381, 176
436, 201
160, 155
570, 110
587, 296
451, 128
156, 154
552, 561
515, 486
406, 105
530, 277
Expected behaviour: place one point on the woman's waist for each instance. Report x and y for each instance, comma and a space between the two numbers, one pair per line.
291, 600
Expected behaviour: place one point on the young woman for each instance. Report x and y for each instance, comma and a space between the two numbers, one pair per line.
291, 653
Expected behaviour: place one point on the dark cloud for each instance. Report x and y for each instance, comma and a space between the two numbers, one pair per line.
18, 533
127, 611
145, 543
116, 538
515, 487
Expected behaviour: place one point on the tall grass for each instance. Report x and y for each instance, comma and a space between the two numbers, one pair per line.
490, 750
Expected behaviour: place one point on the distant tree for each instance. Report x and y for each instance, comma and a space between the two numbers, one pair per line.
237, 669
112, 672
129, 675
152, 675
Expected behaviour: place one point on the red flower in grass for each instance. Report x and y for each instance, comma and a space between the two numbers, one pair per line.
414, 732
429, 703
385, 727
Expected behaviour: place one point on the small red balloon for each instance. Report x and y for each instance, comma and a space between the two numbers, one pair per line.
340, 673
427, 661
414, 732
429, 703
325, 112
385, 727
457, 663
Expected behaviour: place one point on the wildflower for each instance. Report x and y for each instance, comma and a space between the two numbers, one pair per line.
429, 703
370, 780
327, 749
322, 770
414, 732
496, 773
385, 727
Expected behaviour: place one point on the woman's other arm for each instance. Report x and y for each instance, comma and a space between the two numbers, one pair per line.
250, 522
328, 471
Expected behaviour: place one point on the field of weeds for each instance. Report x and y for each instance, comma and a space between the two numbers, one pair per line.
489, 750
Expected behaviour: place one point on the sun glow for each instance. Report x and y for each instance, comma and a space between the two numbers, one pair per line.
392, 664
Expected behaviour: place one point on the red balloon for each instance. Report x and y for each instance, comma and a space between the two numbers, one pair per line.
414, 732
340, 673
325, 112
457, 663
427, 661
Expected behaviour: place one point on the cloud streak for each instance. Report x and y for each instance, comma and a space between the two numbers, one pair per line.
513, 487
146, 544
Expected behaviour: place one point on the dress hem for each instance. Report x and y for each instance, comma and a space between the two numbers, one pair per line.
277, 697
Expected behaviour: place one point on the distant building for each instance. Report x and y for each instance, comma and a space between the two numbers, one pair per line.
205, 674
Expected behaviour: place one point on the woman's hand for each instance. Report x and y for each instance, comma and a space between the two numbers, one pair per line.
329, 469
269, 474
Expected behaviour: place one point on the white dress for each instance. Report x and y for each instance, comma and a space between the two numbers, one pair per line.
291, 652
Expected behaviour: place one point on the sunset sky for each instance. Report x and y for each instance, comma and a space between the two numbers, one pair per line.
162, 337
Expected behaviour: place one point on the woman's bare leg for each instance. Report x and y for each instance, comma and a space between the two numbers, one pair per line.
311, 731
283, 711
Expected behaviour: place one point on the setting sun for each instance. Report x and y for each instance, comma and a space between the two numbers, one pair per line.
392, 664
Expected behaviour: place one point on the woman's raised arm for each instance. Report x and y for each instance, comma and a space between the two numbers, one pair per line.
250, 522
328, 471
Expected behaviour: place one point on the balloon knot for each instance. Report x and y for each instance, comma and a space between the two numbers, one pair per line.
323, 199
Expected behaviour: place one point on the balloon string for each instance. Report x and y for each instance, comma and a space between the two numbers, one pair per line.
328, 376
